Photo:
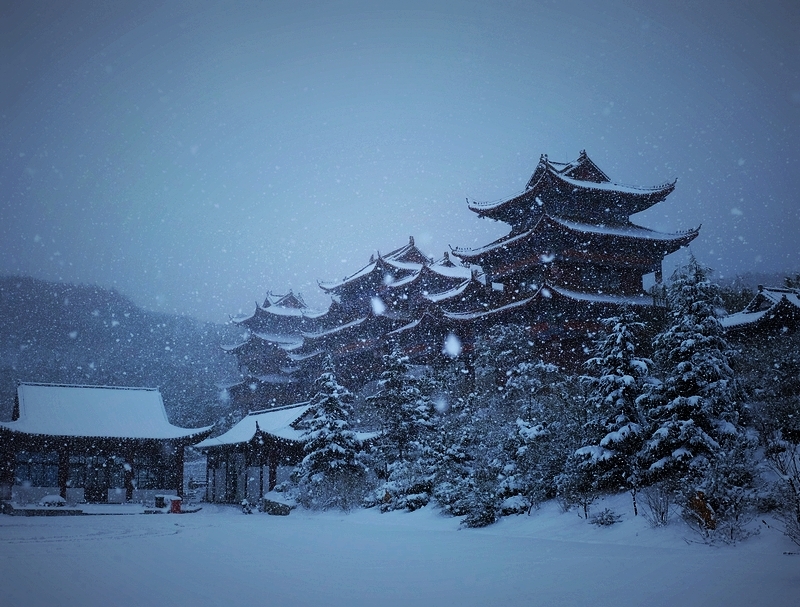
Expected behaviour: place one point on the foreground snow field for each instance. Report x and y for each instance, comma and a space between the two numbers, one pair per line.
221, 557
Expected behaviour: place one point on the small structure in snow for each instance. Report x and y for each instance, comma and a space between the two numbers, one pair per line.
236, 459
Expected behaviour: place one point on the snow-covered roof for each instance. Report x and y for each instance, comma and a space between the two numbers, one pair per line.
769, 303
775, 294
290, 300
403, 281
444, 295
437, 278
277, 422
583, 164
278, 309
610, 186
234, 347
408, 266
284, 342
575, 182
451, 271
629, 231
334, 330
427, 318
547, 291
94, 411
489, 312
741, 318
406, 259
547, 221
408, 253
632, 300
302, 356
329, 285
445, 261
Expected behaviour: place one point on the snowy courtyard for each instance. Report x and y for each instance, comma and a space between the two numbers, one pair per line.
219, 556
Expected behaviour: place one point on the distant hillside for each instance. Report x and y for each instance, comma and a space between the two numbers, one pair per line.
53, 332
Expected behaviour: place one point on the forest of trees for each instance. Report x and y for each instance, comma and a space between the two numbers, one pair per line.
688, 424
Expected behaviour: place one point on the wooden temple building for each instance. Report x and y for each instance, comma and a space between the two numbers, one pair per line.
91, 444
243, 462
571, 257
774, 311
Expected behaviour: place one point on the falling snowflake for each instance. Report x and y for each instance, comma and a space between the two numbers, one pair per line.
452, 346
378, 307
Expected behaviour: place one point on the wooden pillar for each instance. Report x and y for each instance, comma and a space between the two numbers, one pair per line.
273, 471
179, 468
214, 471
63, 470
208, 484
227, 492
8, 461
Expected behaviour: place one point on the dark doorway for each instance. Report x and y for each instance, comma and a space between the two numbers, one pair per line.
97, 480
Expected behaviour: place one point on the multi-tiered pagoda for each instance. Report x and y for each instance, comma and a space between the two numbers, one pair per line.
272, 333
572, 257
571, 229
573, 254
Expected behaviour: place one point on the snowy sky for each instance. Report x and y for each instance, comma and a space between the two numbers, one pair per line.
194, 154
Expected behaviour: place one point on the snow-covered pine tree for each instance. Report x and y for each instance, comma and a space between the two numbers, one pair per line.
498, 353
405, 413
608, 459
453, 441
332, 474
548, 419
694, 412
507, 385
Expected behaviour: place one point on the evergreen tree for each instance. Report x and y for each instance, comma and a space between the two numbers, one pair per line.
453, 446
694, 413
608, 460
405, 414
694, 409
403, 410
725, 501
332, 474
547, 427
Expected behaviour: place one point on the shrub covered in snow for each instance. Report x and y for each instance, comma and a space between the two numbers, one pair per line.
52, 500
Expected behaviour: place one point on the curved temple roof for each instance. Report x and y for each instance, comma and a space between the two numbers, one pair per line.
94, 411
546, 223
576, 189
277, 422
392, 268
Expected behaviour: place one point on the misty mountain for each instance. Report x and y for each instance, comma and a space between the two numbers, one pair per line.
63, 333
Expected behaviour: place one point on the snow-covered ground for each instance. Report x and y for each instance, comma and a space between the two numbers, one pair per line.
220, 556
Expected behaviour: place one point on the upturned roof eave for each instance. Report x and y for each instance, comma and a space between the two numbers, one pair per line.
674, 240
639, 198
